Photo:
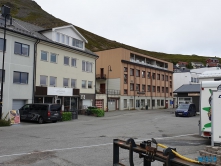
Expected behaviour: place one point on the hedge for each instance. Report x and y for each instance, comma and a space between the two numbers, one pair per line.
66, 116
97, 112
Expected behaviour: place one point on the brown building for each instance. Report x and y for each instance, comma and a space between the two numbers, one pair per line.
132, 80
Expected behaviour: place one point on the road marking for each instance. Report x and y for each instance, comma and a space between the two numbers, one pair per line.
90, 146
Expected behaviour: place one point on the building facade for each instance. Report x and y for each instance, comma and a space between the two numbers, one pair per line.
132, 80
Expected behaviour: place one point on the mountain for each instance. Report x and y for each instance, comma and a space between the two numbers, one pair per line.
30, 11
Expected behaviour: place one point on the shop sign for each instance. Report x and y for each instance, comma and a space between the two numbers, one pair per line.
193, 94
59, 91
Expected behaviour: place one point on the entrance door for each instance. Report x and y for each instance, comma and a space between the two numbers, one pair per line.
102, 88
166, 104
111, 104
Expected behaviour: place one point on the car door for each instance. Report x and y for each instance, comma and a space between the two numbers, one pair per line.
24, 111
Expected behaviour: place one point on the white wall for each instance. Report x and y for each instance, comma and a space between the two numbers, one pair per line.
180, 78
15, 62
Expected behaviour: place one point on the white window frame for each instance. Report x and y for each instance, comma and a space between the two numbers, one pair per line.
68, 61
85, 84
62, 38
75, 62
87, 66
55, 81
75, 83
45, 80
64, 80
41, 56
55, 57
58, 36
91, 84
67, 40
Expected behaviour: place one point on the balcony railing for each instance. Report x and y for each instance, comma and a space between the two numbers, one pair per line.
110, 91
101, 76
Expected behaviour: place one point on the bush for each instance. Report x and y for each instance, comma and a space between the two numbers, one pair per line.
97, 112
5, 121
66, 116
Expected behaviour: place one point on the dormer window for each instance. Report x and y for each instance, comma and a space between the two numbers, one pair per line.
58, 37
62, 38
77, 43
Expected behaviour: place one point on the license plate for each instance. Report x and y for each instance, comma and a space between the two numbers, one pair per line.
56, 114
180, 113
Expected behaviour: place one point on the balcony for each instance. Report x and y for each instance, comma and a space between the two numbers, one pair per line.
101, 76
110, 91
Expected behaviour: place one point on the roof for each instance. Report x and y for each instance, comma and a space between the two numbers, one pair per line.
198, 63
213, 73
187, 88
33, 31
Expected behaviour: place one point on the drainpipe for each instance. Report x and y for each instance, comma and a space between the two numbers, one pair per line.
95, 94
34, 69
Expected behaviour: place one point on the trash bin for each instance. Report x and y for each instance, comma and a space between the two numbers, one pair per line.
74, 114
146, 107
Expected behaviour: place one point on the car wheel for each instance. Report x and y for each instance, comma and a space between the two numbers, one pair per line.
40, 120
176, 115
188, 114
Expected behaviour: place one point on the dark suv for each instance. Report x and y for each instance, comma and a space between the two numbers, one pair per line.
186, 110
41, 112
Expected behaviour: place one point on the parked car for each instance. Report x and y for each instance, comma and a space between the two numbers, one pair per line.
41, 112
186, 110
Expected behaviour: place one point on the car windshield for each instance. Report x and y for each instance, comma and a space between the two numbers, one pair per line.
186, 106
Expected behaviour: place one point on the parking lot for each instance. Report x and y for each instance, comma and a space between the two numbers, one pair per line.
88, 140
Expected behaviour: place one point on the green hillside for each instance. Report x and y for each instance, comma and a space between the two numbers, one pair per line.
30, 11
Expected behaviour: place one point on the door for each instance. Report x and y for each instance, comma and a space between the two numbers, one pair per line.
166, 104
111, 104
17, 104
102, 73
86, 103
102, 88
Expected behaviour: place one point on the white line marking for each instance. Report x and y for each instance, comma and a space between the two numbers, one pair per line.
90, 146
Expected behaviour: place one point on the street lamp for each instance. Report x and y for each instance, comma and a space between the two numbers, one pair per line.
108, 69
5, 10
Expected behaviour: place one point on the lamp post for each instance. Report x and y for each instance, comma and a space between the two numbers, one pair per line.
108, 69
5, 10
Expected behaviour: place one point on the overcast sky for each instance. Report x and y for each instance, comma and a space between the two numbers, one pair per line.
169, 26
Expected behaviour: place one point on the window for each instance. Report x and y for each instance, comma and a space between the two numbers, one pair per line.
148, 75
170, 77
194, 79
137, 87
73, 83
166, 78
125, 91
65, 82
77, 43
44, 56
21, 49
191, 79
83, 84
148, 88
53, 58
73, 62
158, 103
2, 43
143, 88
158, 89
131, 87
162, 102
143, 74
163, 89
43, 80
158, 76
138, 73
1, 75
20, 77
86, 66
58, 37
89, 85
166, 89
125, 69
170, 84
153, 75
154, 89
162, 77
66, 60
125, 78
125, 103
67, 40
153, 103
62, 38
132, 72
53, 81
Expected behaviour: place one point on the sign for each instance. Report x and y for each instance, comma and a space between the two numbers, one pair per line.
141, 93
193, 94
59, 91
14, 116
